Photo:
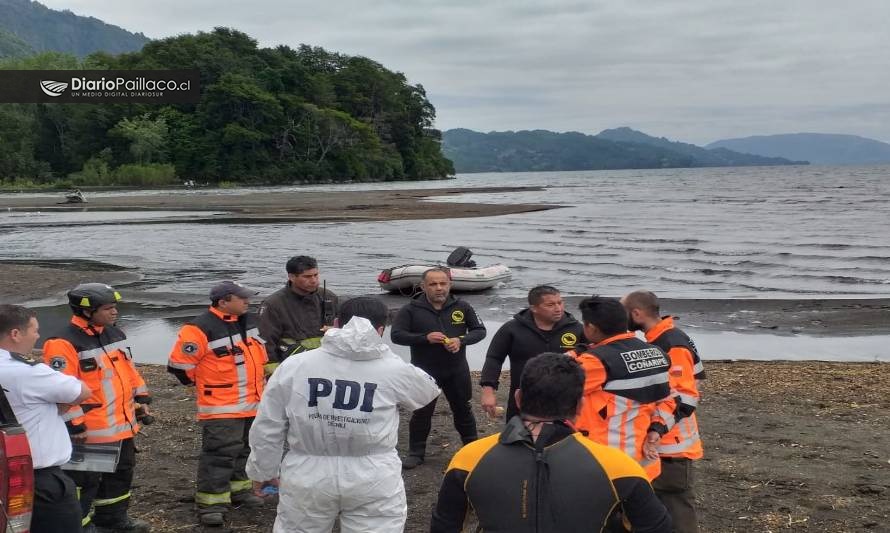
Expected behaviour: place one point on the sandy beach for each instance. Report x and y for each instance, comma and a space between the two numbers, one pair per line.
788, 447
258, 207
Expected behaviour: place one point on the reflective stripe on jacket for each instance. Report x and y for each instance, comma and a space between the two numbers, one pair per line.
626, 394
686, 369
99, 356
223, 355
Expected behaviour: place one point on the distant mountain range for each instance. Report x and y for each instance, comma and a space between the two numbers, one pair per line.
541, 150
27, 27
817, 148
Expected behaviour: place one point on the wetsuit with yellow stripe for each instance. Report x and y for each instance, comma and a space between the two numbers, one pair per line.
560, 482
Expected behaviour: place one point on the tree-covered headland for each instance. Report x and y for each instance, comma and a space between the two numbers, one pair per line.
266, 115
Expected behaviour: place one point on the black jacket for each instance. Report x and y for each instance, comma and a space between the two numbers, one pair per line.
561, 483
520, 340
456, 319
285, 318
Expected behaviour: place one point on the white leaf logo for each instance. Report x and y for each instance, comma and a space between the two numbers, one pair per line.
53, 88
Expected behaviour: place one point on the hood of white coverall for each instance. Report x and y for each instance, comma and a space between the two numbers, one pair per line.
357, 340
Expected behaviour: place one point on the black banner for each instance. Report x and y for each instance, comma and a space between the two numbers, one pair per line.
99, 86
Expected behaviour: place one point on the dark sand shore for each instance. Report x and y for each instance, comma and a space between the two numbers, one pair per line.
789, 447
48, 280
27, 281
291, 206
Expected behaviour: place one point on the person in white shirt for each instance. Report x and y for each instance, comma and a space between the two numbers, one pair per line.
37, 393
337, 407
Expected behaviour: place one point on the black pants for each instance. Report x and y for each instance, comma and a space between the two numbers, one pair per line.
221, 467
108, 492
55, 502
458, 391
675, 487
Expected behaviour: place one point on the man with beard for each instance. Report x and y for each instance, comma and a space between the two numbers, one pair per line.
438, 327
543, 327
682, 445
627, 396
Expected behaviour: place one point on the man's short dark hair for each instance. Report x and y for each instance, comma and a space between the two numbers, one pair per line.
443, 270
14, 317
365, 307
300, 263
645, 301
536, 294
552, 385
607, 314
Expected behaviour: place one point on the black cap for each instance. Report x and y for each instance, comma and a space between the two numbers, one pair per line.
225, 288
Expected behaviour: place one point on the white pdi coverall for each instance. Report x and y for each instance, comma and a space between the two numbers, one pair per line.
341, 402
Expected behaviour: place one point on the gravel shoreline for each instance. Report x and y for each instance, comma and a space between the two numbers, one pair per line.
788, 447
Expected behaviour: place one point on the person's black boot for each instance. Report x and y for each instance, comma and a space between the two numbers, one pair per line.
246, 499
124, 525
412, 461
214, 519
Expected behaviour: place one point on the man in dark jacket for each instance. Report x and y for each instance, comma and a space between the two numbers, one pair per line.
438, 327
294, 318
540, 474
543, 327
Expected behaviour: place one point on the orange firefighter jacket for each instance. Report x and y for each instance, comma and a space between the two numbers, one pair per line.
686, 369
223, 356
101, 357
626, 395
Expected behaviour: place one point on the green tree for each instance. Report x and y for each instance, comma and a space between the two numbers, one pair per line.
147, 137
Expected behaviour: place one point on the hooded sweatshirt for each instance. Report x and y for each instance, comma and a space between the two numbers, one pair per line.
339, 400
418, 318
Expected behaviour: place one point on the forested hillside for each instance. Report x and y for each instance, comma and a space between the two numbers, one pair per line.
42, 29
267, 115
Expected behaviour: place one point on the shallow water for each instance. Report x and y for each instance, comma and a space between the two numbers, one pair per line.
767, 232
152, 337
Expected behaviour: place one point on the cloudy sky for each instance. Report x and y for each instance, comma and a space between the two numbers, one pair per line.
691, 70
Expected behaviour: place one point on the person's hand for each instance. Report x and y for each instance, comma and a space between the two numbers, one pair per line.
435, 337
79, 438
259, 487
452, 344
144, 410
63, 407
489, 401
650, 446
325, 328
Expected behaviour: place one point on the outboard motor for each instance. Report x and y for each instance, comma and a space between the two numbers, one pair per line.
461, 257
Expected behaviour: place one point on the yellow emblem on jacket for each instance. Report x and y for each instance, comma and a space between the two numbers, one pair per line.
568, 340
457, 316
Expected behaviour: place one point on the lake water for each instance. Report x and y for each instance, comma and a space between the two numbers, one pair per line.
152, 336
153, 339
756, 232
762, 232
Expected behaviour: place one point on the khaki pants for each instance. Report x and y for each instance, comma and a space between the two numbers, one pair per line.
675, 487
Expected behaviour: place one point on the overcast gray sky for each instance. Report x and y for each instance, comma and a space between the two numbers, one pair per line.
691, 70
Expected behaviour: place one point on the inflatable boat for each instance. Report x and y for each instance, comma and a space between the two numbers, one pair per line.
406, 277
